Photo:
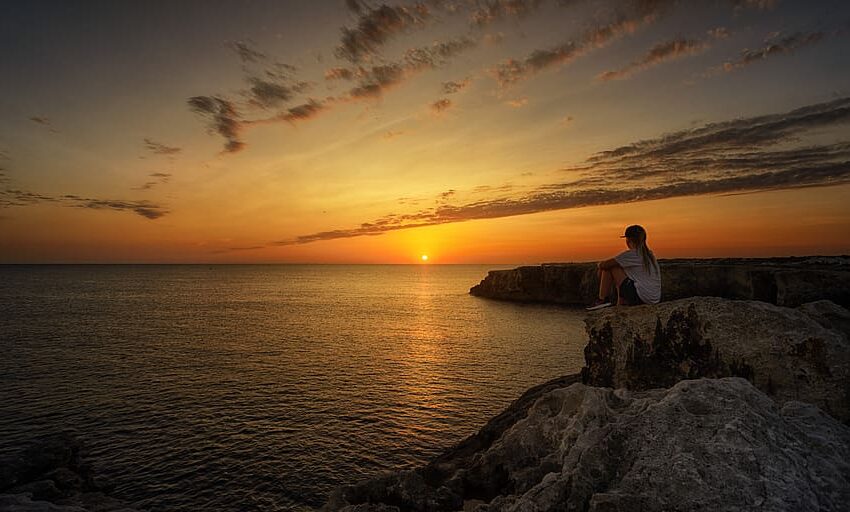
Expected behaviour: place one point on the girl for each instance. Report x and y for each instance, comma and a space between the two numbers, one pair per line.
634, 274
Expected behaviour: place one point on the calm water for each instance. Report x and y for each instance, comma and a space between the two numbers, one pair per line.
263, 387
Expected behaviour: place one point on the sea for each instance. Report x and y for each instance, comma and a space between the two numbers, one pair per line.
263, 387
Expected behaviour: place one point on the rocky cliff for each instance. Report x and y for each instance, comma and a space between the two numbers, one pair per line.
781, 281
754, 438
790, 354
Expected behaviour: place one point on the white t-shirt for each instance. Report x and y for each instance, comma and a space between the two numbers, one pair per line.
647, 284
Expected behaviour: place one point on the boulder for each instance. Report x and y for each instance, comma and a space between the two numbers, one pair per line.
782, 281
705, 444
51, 474
791, 354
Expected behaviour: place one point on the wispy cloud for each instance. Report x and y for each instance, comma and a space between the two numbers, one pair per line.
739, 156
277, 88
157, 178
246, 51
160, 149
455, 86
222, 118
514, 70
656, 55
375, 26
491, 11
440, 106
15, 197
44, 121
781, 46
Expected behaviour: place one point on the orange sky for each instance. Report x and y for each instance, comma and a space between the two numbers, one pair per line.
525, 132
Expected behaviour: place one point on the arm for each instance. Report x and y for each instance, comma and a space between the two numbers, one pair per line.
607, 264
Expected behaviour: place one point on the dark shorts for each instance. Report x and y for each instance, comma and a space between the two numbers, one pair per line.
628, 292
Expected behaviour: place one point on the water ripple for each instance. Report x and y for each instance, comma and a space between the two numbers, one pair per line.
263, 387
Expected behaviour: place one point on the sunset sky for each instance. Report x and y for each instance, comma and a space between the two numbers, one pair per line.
473, 131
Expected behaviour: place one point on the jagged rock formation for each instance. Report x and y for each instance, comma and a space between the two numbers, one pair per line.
782, 281
51, 475
790, 354
701, 445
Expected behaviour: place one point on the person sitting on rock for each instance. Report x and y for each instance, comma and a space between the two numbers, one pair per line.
630, 278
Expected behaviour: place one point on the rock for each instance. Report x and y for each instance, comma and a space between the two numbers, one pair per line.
781, 281
25, 503
791, 354
421, 489
703, 444
51, 475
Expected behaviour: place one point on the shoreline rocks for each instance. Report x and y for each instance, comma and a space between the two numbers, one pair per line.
51, 475
706, 444
781, 281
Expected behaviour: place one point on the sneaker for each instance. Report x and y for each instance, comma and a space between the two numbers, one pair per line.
599, 304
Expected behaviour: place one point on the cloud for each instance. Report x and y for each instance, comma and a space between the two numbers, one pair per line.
517, 102
4, 155
445, 196
375, 80
452, 87
659, 53
160, 149
375, 26
303, 112
762, 5
740, 156
159, 178
339, 74
440, 106
43, 121
15, 197
246, 52
718, 33
266, 94
491, 11
514, 70
783, 46
275, 88
222, 118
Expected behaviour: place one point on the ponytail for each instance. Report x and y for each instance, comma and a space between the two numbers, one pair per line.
650, 264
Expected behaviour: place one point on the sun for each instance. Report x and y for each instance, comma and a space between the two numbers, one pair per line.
424, 258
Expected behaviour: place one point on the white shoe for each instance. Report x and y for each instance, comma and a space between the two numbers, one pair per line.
599, 304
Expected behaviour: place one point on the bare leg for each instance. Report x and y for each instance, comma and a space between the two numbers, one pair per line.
606, 284
618, 275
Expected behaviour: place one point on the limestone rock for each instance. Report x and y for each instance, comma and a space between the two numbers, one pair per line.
51, 475
781, 281
701, 445
791, 354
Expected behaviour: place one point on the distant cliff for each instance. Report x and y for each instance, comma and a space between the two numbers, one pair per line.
781, 281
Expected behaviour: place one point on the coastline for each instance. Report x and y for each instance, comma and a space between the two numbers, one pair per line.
699, 403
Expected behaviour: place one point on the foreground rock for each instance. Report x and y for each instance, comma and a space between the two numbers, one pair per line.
790, 354
701, 445
51, 475
781, 281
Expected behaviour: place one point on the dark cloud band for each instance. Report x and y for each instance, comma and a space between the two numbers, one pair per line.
739, 156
